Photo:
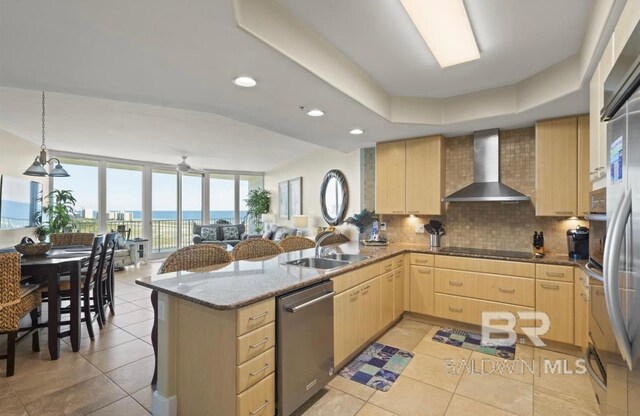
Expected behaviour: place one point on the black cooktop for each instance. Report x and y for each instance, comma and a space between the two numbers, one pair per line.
487, 253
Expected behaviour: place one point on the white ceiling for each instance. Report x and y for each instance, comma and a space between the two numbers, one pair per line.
151, 79
516, 39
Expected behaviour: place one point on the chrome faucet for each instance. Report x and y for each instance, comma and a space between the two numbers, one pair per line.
319, 248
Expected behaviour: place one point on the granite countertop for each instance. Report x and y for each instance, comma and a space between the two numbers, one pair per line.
242, 283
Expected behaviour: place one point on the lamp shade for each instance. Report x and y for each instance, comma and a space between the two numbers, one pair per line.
268, 218
36, 169
58, 172
300, 221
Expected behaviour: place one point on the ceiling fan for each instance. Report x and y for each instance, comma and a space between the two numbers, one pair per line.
183, 166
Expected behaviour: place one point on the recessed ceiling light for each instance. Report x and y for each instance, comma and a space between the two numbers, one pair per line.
315, 113
446, 28
356, 131
245, 82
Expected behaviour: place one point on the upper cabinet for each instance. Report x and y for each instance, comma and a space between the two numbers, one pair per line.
557, 167
410, 176
584, 182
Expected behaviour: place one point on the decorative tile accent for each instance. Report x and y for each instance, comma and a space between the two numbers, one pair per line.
489, 225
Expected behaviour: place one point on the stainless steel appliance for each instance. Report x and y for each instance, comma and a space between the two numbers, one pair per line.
578, 242
304, 345
597, 226
615, 303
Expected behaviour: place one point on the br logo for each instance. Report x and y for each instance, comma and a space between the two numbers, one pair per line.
499, 328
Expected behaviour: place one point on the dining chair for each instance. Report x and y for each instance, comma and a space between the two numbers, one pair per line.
89, 290
295, 243
336, 238
106, 281
15, 302
255, 248
185, 259
71, 239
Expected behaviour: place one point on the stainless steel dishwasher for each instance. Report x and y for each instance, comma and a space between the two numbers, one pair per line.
304, 345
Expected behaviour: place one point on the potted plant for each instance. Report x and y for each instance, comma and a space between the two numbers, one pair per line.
257, 204
59, 212
41, 232
362, 220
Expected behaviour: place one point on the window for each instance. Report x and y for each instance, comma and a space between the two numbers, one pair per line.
83, 183
222, 199
191, 205
248, 183
124, 198
164, 210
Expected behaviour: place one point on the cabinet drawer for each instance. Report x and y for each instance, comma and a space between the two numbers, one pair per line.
553, 272
508, 289
255, 343
470, 311
346, 281
254, 316
255, 370
387, 265
508, 268
422, 259
398, 261
259, 400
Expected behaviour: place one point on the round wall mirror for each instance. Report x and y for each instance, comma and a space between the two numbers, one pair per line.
334, 197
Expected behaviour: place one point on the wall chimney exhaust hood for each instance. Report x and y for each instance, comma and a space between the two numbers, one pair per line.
486, 186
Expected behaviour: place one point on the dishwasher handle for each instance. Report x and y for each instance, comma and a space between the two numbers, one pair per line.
296, 308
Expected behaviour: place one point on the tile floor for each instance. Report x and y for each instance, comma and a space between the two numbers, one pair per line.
111, 375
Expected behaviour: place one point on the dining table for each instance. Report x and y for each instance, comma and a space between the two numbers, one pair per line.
47, 269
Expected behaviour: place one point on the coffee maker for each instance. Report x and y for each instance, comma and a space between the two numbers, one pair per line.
578, 242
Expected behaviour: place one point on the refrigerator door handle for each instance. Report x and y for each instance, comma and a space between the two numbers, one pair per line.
611, 283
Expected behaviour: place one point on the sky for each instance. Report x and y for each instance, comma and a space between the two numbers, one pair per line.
124, 190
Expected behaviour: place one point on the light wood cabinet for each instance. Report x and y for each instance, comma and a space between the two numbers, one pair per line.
556, 300
410, 176
554, 272
369, 310
345, 324
398, 292
584, 177
390, 178
387, 298
581, 302
425, 174
556, 167
421, 289
597, 132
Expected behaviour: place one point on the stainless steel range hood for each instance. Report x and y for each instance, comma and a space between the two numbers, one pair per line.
486, 186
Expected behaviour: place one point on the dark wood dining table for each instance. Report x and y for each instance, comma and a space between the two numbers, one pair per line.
47, 269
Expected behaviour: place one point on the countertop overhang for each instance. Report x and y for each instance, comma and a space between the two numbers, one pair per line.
242, 283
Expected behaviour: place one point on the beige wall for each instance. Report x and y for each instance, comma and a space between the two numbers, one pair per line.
16, 155
312, 167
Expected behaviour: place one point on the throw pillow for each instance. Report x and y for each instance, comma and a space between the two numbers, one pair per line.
230, 233
120, 242
209, 234
267, 234
280, 234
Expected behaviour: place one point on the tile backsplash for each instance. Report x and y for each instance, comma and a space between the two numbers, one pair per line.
490, 225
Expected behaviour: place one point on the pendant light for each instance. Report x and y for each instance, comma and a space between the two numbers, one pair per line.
37, 168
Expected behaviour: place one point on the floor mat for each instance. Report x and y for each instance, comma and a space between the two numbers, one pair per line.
473, 342
379, 366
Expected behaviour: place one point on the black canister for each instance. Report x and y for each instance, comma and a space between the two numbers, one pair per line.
578, 242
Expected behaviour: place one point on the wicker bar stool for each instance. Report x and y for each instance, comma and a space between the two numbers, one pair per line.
295, 243
15, 302
255, 248
197, 257
337, 238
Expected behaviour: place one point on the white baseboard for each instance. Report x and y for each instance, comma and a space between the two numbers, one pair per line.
164, 406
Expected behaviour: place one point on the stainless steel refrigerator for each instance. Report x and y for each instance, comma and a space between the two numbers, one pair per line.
620, 360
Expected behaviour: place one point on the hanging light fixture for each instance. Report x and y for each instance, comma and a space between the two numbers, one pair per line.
37, 168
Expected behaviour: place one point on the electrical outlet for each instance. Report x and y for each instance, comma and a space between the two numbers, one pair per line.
420, 229
383, 226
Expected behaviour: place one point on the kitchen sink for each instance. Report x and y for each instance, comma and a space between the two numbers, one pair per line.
351, 258
318, 263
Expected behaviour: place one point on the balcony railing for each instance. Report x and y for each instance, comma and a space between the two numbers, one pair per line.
164, 233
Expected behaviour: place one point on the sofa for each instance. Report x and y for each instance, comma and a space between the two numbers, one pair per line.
275, 232
125, 255
219, 234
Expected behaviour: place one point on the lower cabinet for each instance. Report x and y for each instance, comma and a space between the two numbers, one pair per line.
369, 310
556, 300
421, 289
398, 292
387, 298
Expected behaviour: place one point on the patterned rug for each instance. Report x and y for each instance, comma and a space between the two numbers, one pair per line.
473, 342
379, 366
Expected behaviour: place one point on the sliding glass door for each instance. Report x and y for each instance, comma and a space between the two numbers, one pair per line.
164, 210
124, 199
191, 205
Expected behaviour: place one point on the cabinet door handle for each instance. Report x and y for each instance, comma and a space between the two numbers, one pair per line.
264, 341
390, 277
388, 267
365, 290
452, 309
599, 292
548, 286
502, 289
565, 213
555, 274
258, 371
413, 212
424, 271
354, 294
262, 315
455, 283
398, 212
255, 412
421, 261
